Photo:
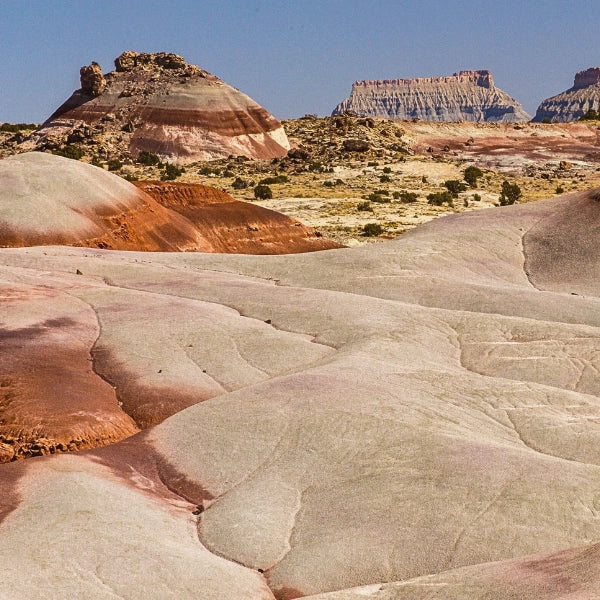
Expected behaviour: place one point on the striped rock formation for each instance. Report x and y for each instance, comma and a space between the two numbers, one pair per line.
464, 96
574, 102
159, 103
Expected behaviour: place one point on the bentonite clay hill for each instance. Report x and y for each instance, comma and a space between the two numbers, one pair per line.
464, 96
161, 104
235, 227
574, 102
50, 200
421, 417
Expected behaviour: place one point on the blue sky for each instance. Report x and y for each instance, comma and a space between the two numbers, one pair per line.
296, 57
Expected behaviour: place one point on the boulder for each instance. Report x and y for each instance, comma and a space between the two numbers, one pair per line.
93, 82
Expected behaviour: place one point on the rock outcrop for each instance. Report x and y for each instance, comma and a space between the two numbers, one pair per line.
574, 102
464, 96
92, 79
159, 103
47, 200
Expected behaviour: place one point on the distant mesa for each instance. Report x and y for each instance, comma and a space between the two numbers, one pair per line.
159, 103
574, 102
464, 96
51, 200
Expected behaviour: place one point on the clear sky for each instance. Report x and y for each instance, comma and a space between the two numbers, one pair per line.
296, 57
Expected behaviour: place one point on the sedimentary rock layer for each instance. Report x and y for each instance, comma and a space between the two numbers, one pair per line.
464, 96
420, 416
235, 227
159, 103
47, 199
574, 102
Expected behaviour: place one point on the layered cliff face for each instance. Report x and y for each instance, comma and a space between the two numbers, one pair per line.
574, 102
159, 103
466, 96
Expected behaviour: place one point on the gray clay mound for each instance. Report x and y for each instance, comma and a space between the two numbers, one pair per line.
47, 200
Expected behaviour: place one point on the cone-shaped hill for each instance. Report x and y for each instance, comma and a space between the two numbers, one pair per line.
159, 103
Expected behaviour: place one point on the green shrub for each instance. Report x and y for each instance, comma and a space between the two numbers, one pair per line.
439, 198
509, 193
16, 127
406, 197
387, 170
471, 175
476, 197
372, 163
560, 189
114, 165
207, 170
70, 151
454, 186
385, 179
364, 206
240, 184
263, 192
131, 177
148, 158
171, 172
424, 179
372, 229
590, 115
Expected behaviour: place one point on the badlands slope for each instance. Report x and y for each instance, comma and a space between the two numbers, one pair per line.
420, 417
47, 199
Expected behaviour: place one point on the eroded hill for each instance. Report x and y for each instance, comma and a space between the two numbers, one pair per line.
158, 103
421, 414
